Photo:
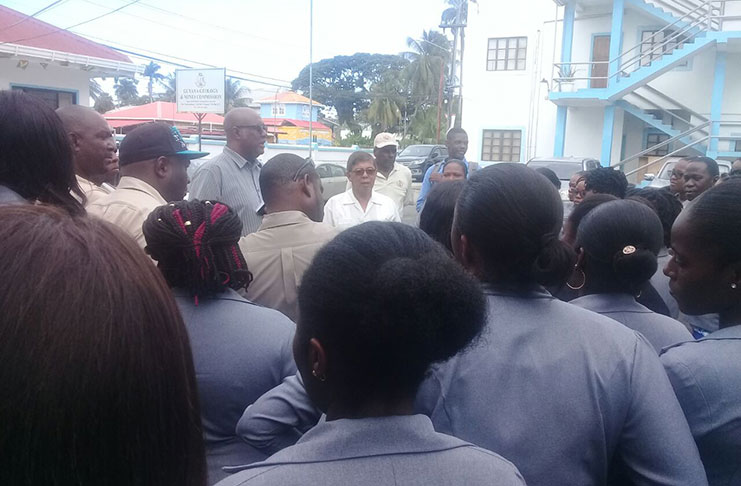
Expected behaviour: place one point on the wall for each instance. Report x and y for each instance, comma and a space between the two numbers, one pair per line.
294, 111
584, 132
53, 77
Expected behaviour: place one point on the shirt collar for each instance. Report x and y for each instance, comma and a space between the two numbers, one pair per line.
731, 332
394, 169
283, 218
239, 160
609, 302
135, 184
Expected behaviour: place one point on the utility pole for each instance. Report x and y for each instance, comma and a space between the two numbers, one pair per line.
457, 26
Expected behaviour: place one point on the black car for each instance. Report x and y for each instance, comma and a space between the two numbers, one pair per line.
419, 158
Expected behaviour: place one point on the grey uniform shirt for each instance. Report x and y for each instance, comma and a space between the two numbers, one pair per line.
563, 392
240, 351
706, 375
660, 331
233, 180
379, 451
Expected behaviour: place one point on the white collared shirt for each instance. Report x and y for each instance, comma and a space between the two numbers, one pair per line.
344, 210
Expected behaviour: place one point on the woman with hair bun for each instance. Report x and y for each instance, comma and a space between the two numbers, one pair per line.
569, 396
240, 350
379, 304
618, 245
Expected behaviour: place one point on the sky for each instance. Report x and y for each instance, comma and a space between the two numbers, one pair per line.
255, 37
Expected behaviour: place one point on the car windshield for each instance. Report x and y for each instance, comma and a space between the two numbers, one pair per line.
666, 171
563, 169
416, 151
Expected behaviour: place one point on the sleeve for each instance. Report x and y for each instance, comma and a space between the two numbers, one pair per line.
409, 199
206, 184
329, 213
426, 186
396, 217
655, 443
279, 417
690, 395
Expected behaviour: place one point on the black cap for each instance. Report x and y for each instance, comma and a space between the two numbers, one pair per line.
154, 140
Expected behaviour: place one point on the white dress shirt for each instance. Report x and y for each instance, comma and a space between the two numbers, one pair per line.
344, 210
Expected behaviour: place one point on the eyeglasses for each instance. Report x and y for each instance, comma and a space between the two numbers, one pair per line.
371, 171
261, 127
307, 163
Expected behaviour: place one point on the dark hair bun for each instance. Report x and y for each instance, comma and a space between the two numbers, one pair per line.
554, 263
636, 268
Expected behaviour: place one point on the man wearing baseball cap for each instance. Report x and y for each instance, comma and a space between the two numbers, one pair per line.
154, 162
392, 179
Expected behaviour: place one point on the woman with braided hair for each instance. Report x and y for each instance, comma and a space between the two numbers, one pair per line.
240, 350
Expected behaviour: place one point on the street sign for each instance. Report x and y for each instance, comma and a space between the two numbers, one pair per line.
200, 90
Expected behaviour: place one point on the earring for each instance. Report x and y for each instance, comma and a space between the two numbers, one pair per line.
733, 286
318, 376
583, 280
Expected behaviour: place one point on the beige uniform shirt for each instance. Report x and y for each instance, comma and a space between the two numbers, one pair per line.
92, 191
278, 254
128, 206
397, 186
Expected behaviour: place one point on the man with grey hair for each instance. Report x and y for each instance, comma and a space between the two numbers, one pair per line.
233, 177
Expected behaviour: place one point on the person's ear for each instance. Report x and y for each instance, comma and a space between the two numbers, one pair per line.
75, 141
317, 360
162, 166
467, 255
580, 258
306, 186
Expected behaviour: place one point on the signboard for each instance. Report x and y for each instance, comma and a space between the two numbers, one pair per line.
200, 90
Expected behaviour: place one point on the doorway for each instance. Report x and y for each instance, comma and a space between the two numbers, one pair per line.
600, 56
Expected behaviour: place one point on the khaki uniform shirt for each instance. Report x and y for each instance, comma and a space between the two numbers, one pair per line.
278, 254
92, 191
397, 186
128, 206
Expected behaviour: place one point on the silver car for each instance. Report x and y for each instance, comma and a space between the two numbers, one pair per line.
564, 167
334, 180
662, 179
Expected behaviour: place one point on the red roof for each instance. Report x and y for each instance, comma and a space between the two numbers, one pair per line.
276, 122
157, 111
21, 29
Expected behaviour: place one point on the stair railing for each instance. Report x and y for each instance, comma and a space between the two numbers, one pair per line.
676, 138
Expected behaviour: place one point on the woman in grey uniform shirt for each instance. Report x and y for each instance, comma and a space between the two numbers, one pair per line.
705, 277
569, 396
618, 243
240, 350
379, 304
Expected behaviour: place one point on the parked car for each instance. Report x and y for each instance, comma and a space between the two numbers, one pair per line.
662, 179
334, 180
419, 158
564, 167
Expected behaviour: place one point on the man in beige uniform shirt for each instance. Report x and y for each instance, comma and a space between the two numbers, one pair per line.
93, 150
154, 171
290, 234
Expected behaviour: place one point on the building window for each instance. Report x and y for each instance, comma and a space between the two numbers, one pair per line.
655, 139
737, 146
501, 145
278, 110
655, 43
53, 98
507, 54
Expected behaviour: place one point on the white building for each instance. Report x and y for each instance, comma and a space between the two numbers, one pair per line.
51, 63
617, 80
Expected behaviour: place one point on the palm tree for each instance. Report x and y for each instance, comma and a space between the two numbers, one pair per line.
235, 94
168, 82
126, 91
427, 57
384, 112
150, 71
96, 90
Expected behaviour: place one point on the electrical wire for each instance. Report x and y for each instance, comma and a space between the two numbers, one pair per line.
38, 12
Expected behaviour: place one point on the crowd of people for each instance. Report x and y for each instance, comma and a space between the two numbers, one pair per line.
235, 329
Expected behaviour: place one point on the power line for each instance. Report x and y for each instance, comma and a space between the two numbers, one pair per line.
28, 17
59, 29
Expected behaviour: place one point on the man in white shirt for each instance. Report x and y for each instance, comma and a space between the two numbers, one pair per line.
360, 203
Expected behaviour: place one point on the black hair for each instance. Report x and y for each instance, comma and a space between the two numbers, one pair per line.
358, 157
512, 216
550, 175
455, 131
36, 157
280, 171
621, 240
711, 164
581, 210
667, 207
716, 219
457, 162
195, 246
436, 218
606, 180
398, 304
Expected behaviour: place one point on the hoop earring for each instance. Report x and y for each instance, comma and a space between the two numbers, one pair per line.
583, 280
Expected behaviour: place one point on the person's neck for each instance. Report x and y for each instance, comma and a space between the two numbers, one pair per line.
596, 287
386, 170
95, 179
372, 408
281, 206
240, 152
730, 317
362, 196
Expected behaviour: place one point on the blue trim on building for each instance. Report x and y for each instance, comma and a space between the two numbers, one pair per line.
608, 128
616, 38
76, 92
716, 103
591, 48
567, 39
560, 141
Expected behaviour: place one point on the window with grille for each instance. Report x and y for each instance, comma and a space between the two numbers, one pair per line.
655, 139
278, 110
652, 48
507, 54
501, 145
53, 98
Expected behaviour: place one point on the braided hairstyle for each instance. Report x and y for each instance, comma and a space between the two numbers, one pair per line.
195, 245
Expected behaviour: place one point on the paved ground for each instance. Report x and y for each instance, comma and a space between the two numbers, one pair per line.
410, 215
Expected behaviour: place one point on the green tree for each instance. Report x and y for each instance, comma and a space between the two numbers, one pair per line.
388, 98
236, 95
168, 82
104, 103
428, 56
127, 92
344, 82
96, 90
150, 71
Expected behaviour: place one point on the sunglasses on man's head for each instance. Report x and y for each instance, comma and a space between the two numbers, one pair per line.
307, 163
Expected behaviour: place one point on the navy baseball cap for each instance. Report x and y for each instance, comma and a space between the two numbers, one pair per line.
154, 140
